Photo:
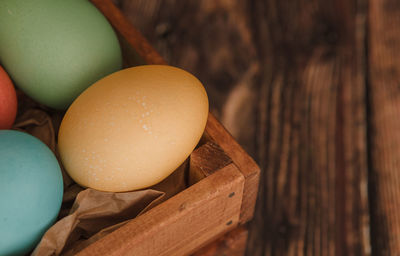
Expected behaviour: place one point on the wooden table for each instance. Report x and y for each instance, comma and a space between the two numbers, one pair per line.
311, 89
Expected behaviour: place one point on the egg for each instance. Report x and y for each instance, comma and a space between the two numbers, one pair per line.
55, 49
31, 189
8, 101
133, 128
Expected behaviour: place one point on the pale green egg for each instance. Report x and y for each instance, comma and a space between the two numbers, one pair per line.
54, 49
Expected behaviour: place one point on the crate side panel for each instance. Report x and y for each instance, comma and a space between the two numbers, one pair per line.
232, 244
245, 163
182, 224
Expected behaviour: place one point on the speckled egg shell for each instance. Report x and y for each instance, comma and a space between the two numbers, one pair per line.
133, 128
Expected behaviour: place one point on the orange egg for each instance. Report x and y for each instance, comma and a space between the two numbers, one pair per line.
8, 101
133, 128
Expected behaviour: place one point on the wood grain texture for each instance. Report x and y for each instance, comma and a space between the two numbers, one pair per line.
231, 244
313, 129
243, 161
168, 229
206, 160
288, 78
384, 97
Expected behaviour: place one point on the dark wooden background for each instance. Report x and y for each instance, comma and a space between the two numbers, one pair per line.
311, 89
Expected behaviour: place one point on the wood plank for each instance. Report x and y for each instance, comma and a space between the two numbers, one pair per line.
384, 98
206, 160
246, 164
231, 244
183, 223
312, 131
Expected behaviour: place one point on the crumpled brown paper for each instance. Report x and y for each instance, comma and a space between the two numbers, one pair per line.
92, 212
87, 215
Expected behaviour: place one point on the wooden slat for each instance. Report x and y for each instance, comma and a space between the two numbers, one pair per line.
312, 131
246, 164
231, 244
183, 223
384, 79
206, 160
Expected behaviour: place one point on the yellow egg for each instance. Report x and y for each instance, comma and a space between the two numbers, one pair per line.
133, 128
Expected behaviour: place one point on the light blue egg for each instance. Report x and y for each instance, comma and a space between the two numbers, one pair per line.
31, 190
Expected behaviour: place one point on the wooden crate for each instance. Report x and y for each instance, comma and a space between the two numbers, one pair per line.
223, 177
